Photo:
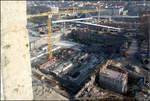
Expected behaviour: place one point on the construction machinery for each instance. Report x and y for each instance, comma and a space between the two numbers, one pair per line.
50, 14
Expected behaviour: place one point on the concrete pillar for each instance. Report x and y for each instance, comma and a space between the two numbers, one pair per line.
15, 58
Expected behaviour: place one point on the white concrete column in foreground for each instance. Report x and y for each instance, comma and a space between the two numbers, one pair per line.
15, 58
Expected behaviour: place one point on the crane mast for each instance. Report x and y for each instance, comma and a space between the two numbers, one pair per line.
98, 21
49, 36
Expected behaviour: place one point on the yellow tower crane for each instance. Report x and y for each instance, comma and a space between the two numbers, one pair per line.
49, 15
99, 7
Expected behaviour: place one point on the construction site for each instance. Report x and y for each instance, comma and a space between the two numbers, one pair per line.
76, 49
94, 50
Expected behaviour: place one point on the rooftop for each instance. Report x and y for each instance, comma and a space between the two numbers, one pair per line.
114, 73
